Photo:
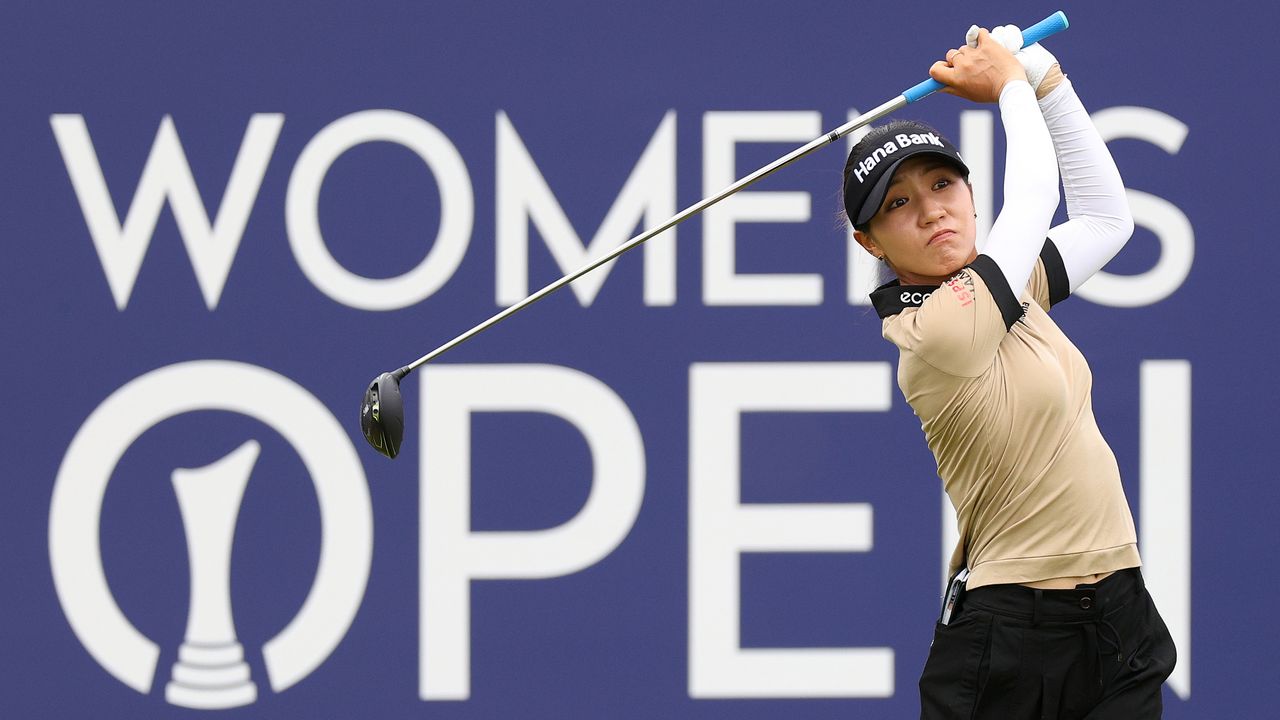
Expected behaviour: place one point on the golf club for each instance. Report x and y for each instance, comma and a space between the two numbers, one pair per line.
382, 409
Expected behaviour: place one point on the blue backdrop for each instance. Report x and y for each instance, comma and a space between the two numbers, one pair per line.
689, 488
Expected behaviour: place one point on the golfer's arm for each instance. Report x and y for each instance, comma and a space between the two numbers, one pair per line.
1030, 188
1099, 221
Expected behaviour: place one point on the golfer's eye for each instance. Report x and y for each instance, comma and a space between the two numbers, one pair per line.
941, 184
895, 203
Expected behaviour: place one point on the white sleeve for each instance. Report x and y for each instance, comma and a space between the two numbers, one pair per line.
1099, 222
1030, 189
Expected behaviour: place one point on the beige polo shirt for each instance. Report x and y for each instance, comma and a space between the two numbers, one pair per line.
1003, 399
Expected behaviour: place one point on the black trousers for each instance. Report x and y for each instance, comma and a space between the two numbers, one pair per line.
1098, 652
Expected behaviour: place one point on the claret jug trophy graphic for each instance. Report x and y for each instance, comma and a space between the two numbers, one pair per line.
211, 671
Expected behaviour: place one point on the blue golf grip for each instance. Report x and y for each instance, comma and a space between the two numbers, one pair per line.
1051, 25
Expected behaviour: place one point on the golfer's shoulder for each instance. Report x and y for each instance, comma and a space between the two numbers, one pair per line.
957, 329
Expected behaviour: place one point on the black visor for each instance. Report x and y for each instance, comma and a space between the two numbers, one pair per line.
871, 171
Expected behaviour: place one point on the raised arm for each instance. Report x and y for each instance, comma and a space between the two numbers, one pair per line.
1099, 222
1031, 173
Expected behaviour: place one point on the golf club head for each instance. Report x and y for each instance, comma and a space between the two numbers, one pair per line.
382, 414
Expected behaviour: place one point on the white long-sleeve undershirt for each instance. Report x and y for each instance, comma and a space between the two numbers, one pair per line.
1030, 187
1100, 222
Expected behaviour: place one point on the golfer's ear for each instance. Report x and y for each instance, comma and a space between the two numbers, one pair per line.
867, 243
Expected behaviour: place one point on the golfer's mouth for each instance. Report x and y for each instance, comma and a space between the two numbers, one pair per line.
940, 236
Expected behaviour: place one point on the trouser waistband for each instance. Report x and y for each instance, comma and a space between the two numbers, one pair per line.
1082, 603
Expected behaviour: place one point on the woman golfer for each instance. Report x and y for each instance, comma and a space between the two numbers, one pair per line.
1048, 616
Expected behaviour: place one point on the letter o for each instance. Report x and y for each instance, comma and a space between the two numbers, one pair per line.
346, 513
302, 220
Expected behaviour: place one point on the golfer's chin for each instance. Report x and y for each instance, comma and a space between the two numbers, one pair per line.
954, 259
937, 272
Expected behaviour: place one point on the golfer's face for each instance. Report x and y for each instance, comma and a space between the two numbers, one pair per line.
925, 227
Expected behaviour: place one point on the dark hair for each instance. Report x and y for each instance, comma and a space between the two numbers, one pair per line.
875, 138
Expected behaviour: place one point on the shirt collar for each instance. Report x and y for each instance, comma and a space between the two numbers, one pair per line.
893, 297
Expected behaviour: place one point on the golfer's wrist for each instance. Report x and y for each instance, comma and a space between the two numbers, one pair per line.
1052, 79
1013, 86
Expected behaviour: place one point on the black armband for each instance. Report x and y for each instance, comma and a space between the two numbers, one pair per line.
1056, 272
987, 269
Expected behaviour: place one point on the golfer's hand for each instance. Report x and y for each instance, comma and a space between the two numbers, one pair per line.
978, 73
1042, 68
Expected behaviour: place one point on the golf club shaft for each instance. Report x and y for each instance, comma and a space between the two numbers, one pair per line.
1050, 25
703, 204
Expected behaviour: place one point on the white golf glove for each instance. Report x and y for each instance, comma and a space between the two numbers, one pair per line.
1035, 60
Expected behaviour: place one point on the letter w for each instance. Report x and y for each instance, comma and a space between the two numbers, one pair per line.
166, 176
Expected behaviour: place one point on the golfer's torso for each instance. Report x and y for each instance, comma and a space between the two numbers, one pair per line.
1036, 488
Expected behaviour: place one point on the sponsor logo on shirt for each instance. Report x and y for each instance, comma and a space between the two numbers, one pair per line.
962, 285
914, 298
